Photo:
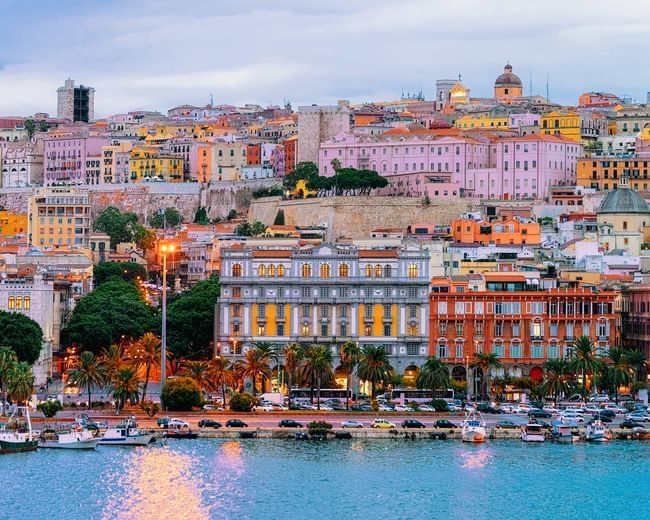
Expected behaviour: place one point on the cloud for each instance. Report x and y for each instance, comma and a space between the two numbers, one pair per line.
158, 54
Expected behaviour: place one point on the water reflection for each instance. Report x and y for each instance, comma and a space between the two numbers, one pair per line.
158, 483
473, 460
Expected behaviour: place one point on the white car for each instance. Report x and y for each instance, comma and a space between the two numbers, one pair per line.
451, 408
638, 417
572, 417
177, 423
522, 408
427, 408
351, 423
402, 408
549, 408
507, 408
616, 409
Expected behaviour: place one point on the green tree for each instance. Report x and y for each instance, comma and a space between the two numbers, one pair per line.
241, 402
127, 271
125, 387
637, 361
170, 218
433, 376
201, 216
556, 372
374, 366
113, 360
273, 352
486, 361
144, 238
30, 128
617, 370
584, 359
147, 353
279, 218
43, 125
7, 362
350, 356
21, 382
316, 366
50, 408
22, 334
247, 229
88, 373
255, 364
117, 225
180, 395
200, 372
304, 170
222, 375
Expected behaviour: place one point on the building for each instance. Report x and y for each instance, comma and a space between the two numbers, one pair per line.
59, 217
317, 124
12, 224
635, 318
22, 164
510, 231
75, 103
228, 158
583, 126
326, 294
516, 319
507, 85
65, 155
150, 163
604, 174
115, 162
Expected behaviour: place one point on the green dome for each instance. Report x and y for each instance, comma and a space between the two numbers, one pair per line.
623, 200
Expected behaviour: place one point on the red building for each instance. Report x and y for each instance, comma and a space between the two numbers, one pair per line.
510, 315
253, 153
290, 152
635, 315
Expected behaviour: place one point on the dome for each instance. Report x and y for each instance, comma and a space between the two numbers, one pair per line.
624, 200
508, 79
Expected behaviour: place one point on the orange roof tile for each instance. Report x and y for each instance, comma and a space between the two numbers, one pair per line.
377, 253
272, 253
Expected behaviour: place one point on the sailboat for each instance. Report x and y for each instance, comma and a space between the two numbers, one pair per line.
19, 437
473, 428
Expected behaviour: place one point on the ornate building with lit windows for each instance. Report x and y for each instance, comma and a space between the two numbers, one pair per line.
326, 294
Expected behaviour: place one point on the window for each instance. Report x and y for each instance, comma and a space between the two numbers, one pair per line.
280, 329
304, 330
280, 309
343, 329
344, 292
413, 270
460, 308
537, 350
536, 329
413, 311
324, 270
306, 292
515, 350
261, 271
553, 329
442, 350
271, 270
412, 349
459, 328
368, 271
236, 292
413, 292
387, 271
12, 302
498, 349
344, 311
516, 329
280, 271
324, 329
442, 328
478, 328
261, 310
387, 311
344, 270
368, 330
378, 271
569, 331
442, 307
305, 311
387, 329
498, 328
261, 330
324, 292
367, 310
412, 330
478, 307
459, 350
28, 302
236, 270
305, 271
553, 350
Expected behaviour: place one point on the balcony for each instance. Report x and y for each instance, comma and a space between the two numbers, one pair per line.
536, 338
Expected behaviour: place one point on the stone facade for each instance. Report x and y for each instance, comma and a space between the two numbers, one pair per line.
317, 124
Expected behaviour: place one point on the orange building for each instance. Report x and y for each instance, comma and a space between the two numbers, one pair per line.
515, 319
604, 174
253, 153
12, 224
204, 162
508, 231
290, 154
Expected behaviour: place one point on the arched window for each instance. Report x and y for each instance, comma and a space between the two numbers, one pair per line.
368, 271
306, 270
28, 302
19, 302
271, 270
261, 271
324, 270
344, 271
12, 302
378, 271
387, 271
280, 270
413, 270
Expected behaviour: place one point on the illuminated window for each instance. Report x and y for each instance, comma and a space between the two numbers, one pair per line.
304, 330
368, 271
378, 271
412, 330
368, 330
324, 270
271, 270
344, 270
306, 270
413, 270
19, 302
12, 302
280, 270
260, 330
261, 271
236, 270
28, 302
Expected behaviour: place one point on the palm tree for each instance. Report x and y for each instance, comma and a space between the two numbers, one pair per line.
637, 361
555, 378
7, 362
584, 359
199, 372
113, 360
221, 375
618, 369
274, 355
486, 361
434, 375
87, 373
21, 381
255, 363
125, 386
147, 352
317, 366
350, 355
292, 357
374, 366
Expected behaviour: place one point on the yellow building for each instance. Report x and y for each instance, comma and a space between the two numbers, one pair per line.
482, 121
149, 162
227, 160
12, 224
581, 127
59, 217
459, 94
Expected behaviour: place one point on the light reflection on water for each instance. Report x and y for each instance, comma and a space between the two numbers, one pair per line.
474, 460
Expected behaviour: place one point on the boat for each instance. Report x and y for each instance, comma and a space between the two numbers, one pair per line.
564, 433
473, 428
532, 432
78, 438
17, 436
596, 432
126, 434
180, 432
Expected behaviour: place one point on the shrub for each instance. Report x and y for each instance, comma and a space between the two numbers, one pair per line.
180, 394
242, 402
374, 404
319, 428
150, 408
440, 405
50, 408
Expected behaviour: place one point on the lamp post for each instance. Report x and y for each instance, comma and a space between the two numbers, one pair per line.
164, 248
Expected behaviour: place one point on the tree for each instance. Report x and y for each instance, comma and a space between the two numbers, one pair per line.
617, 370
117, 225
434, 375
222, 375
374, 366
555, 378
22, 334
144, 238
273, 352
113, 360
201, 216
43, 125
350, 356
584, 359
21, 382
88, 373
637, 361
30, 128
255, 363
7, 362
147, 353
49, 408
180, 395
199, 372
486, 361
247, 229
127, 271
279, 218
303, 171
317, 366
292, 355
125, 387
170, 217
241, 402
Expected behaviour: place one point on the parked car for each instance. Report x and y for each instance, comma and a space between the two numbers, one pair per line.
351, 423
550, 408
429, 408
401, 408
386, 407
361, 408
575, 398
600, 398
289, 423
452, 408
209, 423
212, 407
412, 423
236, 423
627, 423
486, 408
638, 416
604, 419
606, 413
539, 414
616, 409
507, 408
162, 422
444, 423
382, 423
523, 408
506, 425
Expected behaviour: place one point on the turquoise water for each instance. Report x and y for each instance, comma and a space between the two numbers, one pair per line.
214, 479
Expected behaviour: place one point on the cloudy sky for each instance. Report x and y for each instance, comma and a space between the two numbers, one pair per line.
155, 54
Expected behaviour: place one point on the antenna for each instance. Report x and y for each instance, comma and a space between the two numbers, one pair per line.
530, 84
211, 100
547, 98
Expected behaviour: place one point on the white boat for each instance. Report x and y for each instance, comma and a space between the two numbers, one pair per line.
17, 436
473, 428
532, 432
76, 439
126, 434
565, 433
596, 432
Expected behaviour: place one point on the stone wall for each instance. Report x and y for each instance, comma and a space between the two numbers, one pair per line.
354, 217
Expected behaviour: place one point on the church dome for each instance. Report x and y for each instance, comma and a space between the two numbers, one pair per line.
623, 200
508, 79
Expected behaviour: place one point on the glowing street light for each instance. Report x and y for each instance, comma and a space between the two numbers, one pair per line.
164, 249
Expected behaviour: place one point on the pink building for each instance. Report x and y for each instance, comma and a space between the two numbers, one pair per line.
483, 166
273, 155
64, 157
421, 184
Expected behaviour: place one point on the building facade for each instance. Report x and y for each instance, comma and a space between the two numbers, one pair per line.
604, 174
64, 157
317, 124
75, 103
22, 165
59, 217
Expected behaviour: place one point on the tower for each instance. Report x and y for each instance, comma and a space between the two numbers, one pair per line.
320, 123
508, 84
75, 103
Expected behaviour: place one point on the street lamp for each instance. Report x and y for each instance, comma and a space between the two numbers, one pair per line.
164, 249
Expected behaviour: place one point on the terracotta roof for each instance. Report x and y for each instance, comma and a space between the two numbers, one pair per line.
272, 253
377, 253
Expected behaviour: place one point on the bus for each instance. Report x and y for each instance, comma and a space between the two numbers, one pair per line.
407, 395
305, 394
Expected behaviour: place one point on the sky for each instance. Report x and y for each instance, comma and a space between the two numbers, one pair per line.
157, 54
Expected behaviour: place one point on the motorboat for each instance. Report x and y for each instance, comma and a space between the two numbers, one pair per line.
78, 438
473, 428
180, 431
596, 432
17, 436
126, 434
565, 433
532, 432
